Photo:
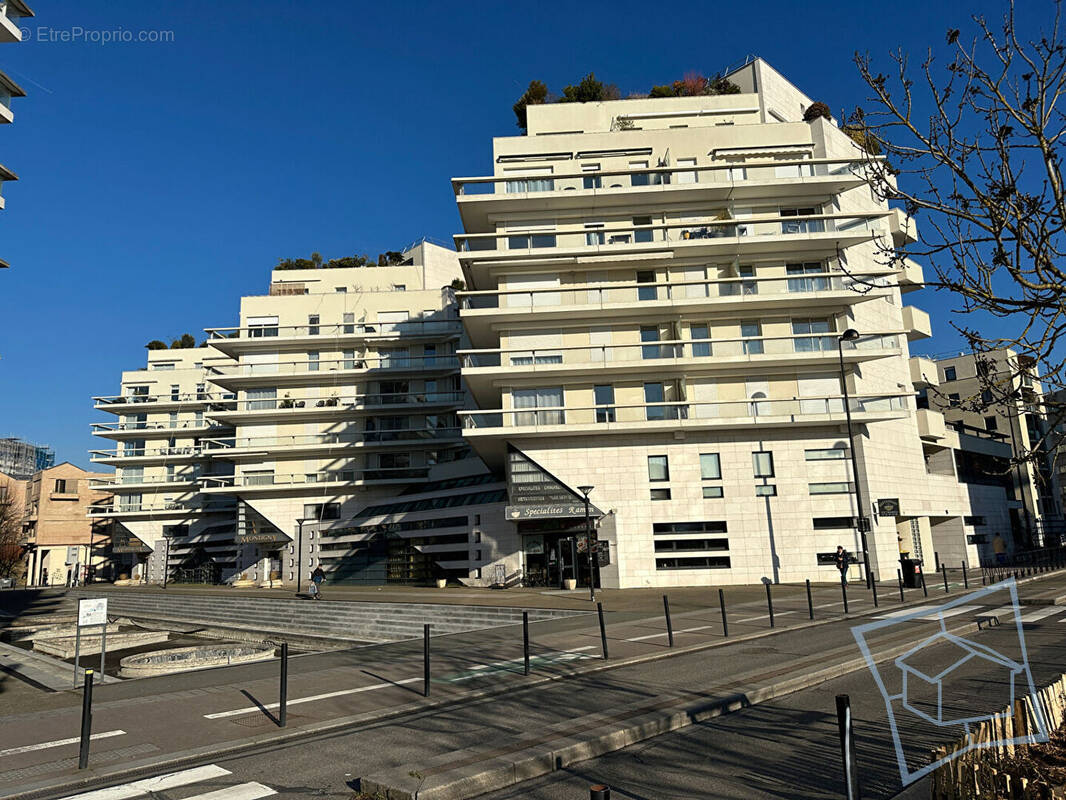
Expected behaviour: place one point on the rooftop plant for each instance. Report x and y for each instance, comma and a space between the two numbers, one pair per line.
390, 258
815, 110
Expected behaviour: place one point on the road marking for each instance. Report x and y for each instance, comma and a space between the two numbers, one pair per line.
764, 616
655, 635
1040, 613
244, 791
903, 612
238, 711
521, 660
29, 748
478, 671
160, 783
932, 616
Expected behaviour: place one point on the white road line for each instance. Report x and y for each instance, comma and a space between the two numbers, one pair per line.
933, 616
244, 791
29, 748
683, 630
1040, 613
238, 711
160, 783
903, 612
765, 616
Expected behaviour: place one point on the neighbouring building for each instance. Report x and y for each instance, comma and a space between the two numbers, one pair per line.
61, 540
657, 291
1001, 392
12, 12
20, 459
12, 539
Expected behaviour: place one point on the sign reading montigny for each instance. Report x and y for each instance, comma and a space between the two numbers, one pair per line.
92, 611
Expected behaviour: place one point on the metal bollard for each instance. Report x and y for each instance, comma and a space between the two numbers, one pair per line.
525, 639
725, 622
669, 625
925, 590
600, 791
810, 600
283, 699
852, 790
770, 604
86, 720
425, 660
965, 580
944, 570
844, 594
899, 577
603, 630
873, 587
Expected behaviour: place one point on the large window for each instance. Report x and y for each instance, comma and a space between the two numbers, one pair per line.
701, 345
658, 468
322, 511
763, 463
654, 396
801, 225
812, 344
642, 234
710, 467
530, 405
807, 284
604, 398
826, 454
650, 333
834, 487
647, 292
752, 331
950, 374
591, 181
525, 241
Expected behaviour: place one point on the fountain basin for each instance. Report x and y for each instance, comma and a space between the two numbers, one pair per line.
184, 659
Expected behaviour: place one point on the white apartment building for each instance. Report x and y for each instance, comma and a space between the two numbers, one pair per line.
1007, 401
12, 12
162, 462
657, 291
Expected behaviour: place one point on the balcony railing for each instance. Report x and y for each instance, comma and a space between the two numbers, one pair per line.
184, 397
142, 480
333, 439
143, 452
180, 425
251, 480
608, 355
345, 403
354, 363
694, 414
414, 327
751, 289
728, 231
159, 508
611, 181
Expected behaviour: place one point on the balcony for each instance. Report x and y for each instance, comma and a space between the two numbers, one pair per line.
315, 482
324, 373
12, 14
483, 310
174, 509
147, 455
154, 403
155, 430
8, 90
278, 338
141, 482
916, 323
307, 408
328, 443
808, 179
903, 229
911, 276
923, 372
930, 424
489, 430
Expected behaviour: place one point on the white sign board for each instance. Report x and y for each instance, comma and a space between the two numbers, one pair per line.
92, 611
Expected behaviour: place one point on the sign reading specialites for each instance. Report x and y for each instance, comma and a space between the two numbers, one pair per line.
534, 493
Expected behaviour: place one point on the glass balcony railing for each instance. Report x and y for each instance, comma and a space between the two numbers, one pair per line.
146, 480
606, 355
145, 399
754, 411
146, 426
332, 439
355, 363
660, 178
170, 506
146, 452
414, 327
831, 227
347, 403
249, 480
746, 289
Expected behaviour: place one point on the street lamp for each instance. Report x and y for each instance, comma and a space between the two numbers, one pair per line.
588, 541
1023, 481
850, 335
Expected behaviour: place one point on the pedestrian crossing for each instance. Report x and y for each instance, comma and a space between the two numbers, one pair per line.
176, 785
1005, 613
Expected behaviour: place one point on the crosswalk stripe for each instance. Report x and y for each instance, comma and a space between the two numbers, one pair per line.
244, 791
928, 613
764, 616
159, 783
29, 748
1040, 613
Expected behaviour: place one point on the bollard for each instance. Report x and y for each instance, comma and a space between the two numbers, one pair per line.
525, 639
925, 590
899, 577
603, 630
600, 791
86, 719
425, 660
852, 791
810, 600
283, 699
725, 622
965, 580
669, 625
770, 604
936, 561
944, 570
844, 594
873, 587
982, 576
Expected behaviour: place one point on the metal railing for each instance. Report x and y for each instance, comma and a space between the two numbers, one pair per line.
360, 329
180, 425
353, 363
145, 452
334, 439
139, 480
251, 480
184, 397
350, 402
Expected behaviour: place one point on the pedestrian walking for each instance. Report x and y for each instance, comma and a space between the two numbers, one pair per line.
842, 558
999, 547
317, 577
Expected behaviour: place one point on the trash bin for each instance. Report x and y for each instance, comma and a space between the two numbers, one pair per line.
912, 571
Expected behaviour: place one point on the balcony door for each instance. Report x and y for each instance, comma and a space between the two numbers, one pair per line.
532, 298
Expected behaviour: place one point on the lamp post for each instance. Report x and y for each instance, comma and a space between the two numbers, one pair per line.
1023, 481
300, 552
850, 335
588, 541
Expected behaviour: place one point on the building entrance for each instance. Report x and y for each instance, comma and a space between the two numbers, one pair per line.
553, 556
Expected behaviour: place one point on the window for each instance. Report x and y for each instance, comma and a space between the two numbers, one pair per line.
341, 289
399, 287
748, 286
166, 365
986, 397
262, 326
813, 284
550, 397
950, 374
975, 521
60, 486
526, 241
826, 454
594, 234
175, 392
953, 400
682, 545
653, 396
348, 359
838, 487
604, 399
591, 181
322, 511
752, 330
811, 344
650, 333
801, 225
698, 562
647, 292
259, 399
395, 357
312, 361
710, 467
832, 523
658, 468
991, 424
687, 177
429, 355
660, 494
763, 463
641, 179
312, 325
349, 322
713, 492
766, 491
642, 234
700, 349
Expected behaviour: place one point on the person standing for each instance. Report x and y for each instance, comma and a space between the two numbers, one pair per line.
999, 548
317, 578
842, 563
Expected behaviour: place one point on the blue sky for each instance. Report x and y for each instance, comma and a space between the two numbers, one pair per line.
161, 181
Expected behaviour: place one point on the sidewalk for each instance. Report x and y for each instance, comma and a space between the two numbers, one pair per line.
175, 719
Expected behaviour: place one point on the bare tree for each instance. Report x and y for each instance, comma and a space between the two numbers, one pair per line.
11, 550
972, 150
